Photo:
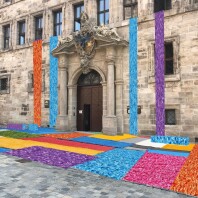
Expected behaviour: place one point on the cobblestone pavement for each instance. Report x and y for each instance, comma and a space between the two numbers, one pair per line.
35, 180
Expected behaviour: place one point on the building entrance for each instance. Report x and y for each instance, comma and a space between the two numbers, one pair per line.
89, 102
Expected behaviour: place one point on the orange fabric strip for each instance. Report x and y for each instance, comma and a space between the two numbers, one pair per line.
37, 61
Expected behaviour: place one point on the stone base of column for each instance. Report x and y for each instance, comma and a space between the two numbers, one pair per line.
62, 123
110, 125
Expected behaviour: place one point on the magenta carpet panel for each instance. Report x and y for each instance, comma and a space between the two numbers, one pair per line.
155, 170
51, 157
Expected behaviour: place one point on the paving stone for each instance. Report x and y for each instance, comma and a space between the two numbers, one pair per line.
38, 180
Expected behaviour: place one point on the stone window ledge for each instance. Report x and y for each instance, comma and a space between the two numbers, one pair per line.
168, 78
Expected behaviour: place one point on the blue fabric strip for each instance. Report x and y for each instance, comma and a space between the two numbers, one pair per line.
133, 90
53, 83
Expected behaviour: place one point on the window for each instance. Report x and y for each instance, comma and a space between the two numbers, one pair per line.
103, 12
170, 117
77, 11
4, 84
21, 26
6, 32
130, 9
160, 5
38, 27
57, 23
30, 87
169, 59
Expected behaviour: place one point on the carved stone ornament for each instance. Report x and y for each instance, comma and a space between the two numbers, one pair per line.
85, 39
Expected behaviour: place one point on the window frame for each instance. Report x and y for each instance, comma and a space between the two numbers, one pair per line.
77, 19
164, 6
176, 76
37, 29
168, 59
30, 87
166, 117
132, 6
20, 33
104, 11
59, 24
8, 77
6, 37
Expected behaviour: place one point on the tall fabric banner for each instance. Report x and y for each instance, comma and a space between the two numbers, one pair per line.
37, 77
159, 73
53, 82
133, 90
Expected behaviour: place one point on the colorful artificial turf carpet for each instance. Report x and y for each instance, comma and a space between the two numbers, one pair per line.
115, 138
155, 170
70, 143
68, 135
102, 142
114, 164
187, 179
149, 143
2, 150
179, 147
51, 157
134, 140
13, 134
40, 131
18, 144
179, 154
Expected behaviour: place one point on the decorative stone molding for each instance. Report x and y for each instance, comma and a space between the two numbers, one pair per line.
84, 42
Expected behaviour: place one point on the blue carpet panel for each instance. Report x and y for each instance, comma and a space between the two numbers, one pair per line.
102, 142
114, 164
39, 131
179, 154
2, 150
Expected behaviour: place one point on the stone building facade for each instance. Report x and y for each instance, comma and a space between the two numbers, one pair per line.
110, 62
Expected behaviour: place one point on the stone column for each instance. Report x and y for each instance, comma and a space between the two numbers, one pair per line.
110, 121
62, 121
72, 103
119, 105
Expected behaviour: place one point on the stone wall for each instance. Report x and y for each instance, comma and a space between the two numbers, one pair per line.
181, 27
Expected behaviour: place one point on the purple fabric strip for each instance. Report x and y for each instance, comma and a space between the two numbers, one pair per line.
51, 157
159, 73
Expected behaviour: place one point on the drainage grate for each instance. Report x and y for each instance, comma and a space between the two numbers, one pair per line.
23, 160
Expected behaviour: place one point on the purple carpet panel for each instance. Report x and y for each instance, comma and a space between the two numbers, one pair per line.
159, 73
51, 157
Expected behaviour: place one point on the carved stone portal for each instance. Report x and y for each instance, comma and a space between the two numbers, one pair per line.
85, 40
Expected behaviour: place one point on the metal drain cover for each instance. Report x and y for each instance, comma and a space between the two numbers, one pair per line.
23, 160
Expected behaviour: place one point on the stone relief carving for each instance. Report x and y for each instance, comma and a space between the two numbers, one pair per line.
85, 39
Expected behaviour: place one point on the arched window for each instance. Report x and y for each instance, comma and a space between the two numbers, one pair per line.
92, 78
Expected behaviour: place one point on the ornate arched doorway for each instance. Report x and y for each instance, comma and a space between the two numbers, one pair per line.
89, 102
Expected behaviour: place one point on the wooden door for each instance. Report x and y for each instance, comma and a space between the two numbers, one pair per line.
89, 108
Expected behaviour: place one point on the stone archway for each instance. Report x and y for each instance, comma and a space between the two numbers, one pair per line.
72, 95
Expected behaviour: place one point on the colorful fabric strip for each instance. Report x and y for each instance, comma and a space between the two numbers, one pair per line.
53, 82
133, 76
37, 61
159, 73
